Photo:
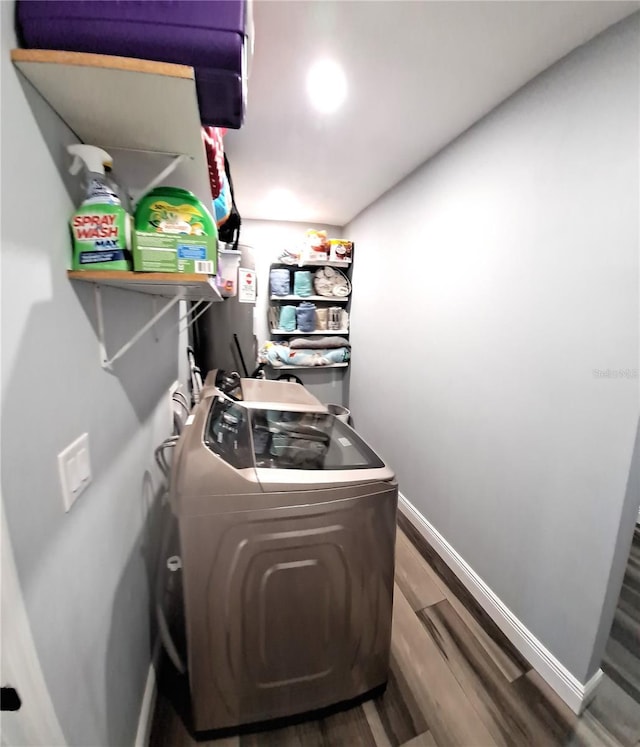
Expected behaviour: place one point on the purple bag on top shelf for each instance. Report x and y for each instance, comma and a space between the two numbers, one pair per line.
208, 35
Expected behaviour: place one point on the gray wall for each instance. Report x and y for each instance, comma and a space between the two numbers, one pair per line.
499, 277
621, 555
85, 575
221, 322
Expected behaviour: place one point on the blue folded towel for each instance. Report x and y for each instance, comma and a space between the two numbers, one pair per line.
280, 281
283, 355
306, 315
287, 320
303, 283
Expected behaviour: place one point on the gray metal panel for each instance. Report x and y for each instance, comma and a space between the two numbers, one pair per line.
220, 322
288, 609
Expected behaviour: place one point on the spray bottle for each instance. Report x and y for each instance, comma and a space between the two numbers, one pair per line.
100, 227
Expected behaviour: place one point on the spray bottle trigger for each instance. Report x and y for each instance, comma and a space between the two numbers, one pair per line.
76, 165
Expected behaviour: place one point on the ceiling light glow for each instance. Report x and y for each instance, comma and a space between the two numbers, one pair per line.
326, 86
280, 202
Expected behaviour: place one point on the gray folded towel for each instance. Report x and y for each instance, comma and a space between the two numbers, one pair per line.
319, 343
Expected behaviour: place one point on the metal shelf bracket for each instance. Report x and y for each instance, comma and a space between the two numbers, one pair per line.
202, 311
169, 169
107, 362
190, 317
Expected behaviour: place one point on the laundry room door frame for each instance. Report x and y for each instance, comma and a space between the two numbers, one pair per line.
36, 722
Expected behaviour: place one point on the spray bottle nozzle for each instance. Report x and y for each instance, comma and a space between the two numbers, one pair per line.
94, 158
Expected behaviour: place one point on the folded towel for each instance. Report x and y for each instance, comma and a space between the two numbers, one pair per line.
301, 453
319, 343
330, 282
273, 315
278, 355
260, 439
322, 316
334, 320
280, 281
287, 318
306, 315
302, 283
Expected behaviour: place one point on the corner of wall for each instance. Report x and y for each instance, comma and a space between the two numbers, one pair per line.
628, 519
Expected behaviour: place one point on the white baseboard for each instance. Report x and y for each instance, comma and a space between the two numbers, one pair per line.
148, 700
575, 694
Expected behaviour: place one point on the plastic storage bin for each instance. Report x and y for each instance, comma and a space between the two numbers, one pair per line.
342, 413
227, 277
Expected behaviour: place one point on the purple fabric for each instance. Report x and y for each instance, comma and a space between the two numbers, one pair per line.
206, 34
224, 15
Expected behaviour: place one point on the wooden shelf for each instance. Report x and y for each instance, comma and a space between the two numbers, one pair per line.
328, 299
122, 103
315, 332
319, 263
309, 368
192, 287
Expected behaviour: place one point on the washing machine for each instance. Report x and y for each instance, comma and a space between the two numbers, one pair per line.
287, 535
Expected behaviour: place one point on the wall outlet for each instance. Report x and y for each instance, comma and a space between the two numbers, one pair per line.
74, 466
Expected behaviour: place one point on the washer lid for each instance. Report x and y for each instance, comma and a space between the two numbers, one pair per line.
286, 439
264, 393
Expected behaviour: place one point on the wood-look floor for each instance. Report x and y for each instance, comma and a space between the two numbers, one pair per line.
622, 656
455, 680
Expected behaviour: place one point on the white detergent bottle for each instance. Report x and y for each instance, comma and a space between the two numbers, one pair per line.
100, 227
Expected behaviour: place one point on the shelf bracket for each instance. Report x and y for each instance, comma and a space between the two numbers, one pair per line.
105, 361
168, 169
202, 311
189, 316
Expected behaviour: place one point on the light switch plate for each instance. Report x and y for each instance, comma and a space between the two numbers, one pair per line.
74, 466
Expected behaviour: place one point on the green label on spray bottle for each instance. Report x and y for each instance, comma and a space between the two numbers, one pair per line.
101, 238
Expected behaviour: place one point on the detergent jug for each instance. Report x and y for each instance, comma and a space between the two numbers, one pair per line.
174, 232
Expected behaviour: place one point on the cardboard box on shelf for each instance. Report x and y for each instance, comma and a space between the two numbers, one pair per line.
164, 252
340, 250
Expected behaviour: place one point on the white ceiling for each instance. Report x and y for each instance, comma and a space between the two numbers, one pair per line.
419, 74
